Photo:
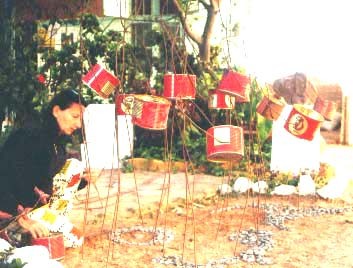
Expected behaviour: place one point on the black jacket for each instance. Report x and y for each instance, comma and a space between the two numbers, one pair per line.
30, 158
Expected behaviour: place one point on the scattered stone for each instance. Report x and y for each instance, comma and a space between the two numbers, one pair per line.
259, 243
160, 235
178, 262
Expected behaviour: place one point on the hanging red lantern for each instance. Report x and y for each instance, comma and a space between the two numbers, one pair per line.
225, 143
303, 122
101, 81
219, 100
150, 112
179, 86
124, 104
326, 108
235, 84
270, 107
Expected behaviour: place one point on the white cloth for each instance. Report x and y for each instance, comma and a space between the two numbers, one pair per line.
102, 131
290, 153
33, 256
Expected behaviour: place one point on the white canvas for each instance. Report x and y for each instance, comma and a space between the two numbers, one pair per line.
102, 142
290, 153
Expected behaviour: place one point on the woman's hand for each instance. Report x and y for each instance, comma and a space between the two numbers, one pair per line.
91, 175
35, 228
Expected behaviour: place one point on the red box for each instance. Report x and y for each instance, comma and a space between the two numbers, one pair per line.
101, 81
235, 84
179, 86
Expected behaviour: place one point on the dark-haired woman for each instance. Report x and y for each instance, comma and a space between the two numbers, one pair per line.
29, 160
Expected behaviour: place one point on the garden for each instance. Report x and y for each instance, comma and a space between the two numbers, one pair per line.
164, 206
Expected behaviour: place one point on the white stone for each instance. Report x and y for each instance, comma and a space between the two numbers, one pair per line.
242, 184
284, 189
306, 185
333, 189
34, 256
260, 187
29, 254
39, 263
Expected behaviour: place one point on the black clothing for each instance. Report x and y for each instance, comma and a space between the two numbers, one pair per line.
30, 158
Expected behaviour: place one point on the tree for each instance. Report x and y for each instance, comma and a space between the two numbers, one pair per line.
202, 40
19, 87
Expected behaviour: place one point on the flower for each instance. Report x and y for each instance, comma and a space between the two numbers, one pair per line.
41, 78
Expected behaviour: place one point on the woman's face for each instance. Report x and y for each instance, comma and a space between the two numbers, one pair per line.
69, 119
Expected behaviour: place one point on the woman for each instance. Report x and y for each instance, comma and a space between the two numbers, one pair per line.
29, 160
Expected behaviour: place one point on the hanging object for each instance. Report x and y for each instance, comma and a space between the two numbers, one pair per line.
303, 122
150, 112
101, 81
124, 104
244, 99
224, 143
235, 84
270, 107
54, 243
296, 89
219, 100
325, 107
179, 86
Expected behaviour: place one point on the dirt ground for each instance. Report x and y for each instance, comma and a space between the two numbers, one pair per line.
196, 225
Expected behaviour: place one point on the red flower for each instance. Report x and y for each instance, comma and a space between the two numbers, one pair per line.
41, 78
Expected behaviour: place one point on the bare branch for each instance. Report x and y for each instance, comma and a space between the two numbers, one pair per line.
196, 38
206, 5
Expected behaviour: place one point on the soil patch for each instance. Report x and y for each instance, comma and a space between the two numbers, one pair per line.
197, 227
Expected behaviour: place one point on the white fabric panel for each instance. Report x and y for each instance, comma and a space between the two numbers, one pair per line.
102, 142
292, 154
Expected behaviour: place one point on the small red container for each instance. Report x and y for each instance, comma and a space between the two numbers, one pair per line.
225, 143
219, 100
124, 104
101, 81
270, 107
326, 108
150, 112
303, 122
54, 243
235, 84
179, 86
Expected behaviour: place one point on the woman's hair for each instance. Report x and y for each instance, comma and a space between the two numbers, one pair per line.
66, 98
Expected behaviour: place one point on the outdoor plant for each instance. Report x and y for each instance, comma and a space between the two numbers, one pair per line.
139, 72
15, 263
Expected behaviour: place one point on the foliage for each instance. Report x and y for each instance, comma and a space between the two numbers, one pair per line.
126, 166
15, 263
21, 94
139, 71
278, 178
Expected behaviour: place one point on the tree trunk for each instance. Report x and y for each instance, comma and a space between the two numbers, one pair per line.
203, 40
205, 51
